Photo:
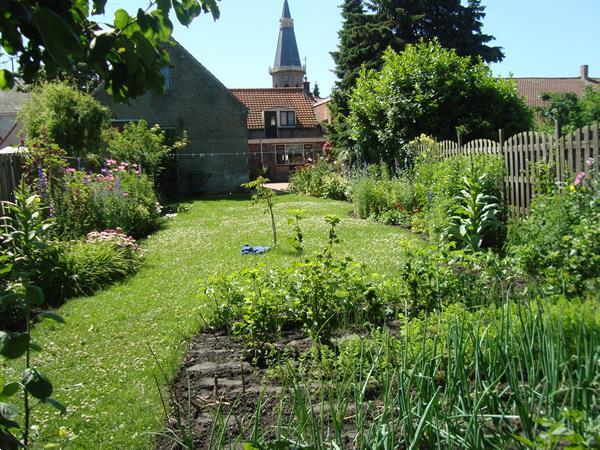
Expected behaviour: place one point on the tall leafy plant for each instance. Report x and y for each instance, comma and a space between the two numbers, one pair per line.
263, 194
475, 213
23, 235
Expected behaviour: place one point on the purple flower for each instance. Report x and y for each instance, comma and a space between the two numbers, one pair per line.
41, 177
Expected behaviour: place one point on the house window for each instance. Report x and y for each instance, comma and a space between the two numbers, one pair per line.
290, 154
166, 73
287, 118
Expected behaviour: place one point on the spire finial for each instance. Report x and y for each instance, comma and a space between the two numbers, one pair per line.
286, 10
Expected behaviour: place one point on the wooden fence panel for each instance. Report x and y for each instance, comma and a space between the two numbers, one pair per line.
10, 174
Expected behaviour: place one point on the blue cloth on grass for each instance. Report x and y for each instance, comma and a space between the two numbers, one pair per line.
253, 250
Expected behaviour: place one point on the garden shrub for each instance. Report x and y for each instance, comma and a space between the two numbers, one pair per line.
66, 116
82, 267
430, 278
382, 198
318, 295
438, 183
141, 144
320, 180
559, 241
120, 197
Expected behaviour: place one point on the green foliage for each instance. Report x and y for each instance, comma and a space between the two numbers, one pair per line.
23, 238
297, 216
383, 198
438, 183
430, 278
560, 240
65, 116
146, 146
428, 89
121, 198
319, 295
320, 180
370, 27
263, 194
70, 269
127, 54
569, 109
476, 215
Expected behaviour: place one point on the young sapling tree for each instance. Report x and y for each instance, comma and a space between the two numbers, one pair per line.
263, 194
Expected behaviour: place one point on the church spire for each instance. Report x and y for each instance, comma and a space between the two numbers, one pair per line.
287, 70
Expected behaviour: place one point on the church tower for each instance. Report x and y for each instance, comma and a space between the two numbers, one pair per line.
288, 70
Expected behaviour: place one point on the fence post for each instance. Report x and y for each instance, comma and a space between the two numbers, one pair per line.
459, 140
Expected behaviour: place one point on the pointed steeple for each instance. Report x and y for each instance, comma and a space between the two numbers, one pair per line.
287, 70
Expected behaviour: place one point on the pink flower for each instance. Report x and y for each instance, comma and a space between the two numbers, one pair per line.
70, 170
579, 178
110, 162
124, 194
124, 164
589, 162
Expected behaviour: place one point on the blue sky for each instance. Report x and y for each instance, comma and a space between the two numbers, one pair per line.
539, 37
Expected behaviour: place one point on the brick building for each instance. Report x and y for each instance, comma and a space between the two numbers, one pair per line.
216, 159
282, 128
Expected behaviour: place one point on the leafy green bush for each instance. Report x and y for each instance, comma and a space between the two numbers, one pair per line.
70, 269
66, 116
318, 296
385, 199
560, 239
320, 180
138, 143
438, 184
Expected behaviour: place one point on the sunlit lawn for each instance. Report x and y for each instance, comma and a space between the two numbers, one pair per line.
100, 362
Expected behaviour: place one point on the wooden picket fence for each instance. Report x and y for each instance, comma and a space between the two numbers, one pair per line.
578, 151
10, 174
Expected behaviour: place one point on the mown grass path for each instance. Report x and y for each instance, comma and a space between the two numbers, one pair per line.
99, 361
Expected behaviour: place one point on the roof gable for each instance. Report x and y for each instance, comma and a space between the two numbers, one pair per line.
532, 88
259, 100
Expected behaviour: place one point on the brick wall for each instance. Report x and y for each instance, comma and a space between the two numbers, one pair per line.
216, 160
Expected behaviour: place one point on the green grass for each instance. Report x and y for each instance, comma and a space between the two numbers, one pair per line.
99, 361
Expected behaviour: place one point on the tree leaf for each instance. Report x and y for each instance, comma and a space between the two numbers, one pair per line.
8, 410
52, 316
10, 389
34, 294
37, 384
7, 80
121, 19
13, 345
56, 404
58, 36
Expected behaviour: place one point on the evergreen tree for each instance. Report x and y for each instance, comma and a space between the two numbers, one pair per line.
316, 91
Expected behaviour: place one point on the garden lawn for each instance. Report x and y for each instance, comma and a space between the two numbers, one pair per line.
100, 362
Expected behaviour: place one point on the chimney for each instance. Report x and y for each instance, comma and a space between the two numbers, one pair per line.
306, 85
584, 72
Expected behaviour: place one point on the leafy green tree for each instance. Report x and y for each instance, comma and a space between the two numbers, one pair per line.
263, 194
428, 89
140, 144
316, 91
66, 116
50, 38
370, 27
571, 111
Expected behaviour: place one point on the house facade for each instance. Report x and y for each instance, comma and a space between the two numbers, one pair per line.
282, 128
10, 105
216, 159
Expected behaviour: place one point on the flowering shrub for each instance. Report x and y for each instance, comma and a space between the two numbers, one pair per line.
560, 240
116, 237
320, 179
120, 196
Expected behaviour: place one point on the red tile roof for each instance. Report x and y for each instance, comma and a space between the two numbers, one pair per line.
533, 88
259, 100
